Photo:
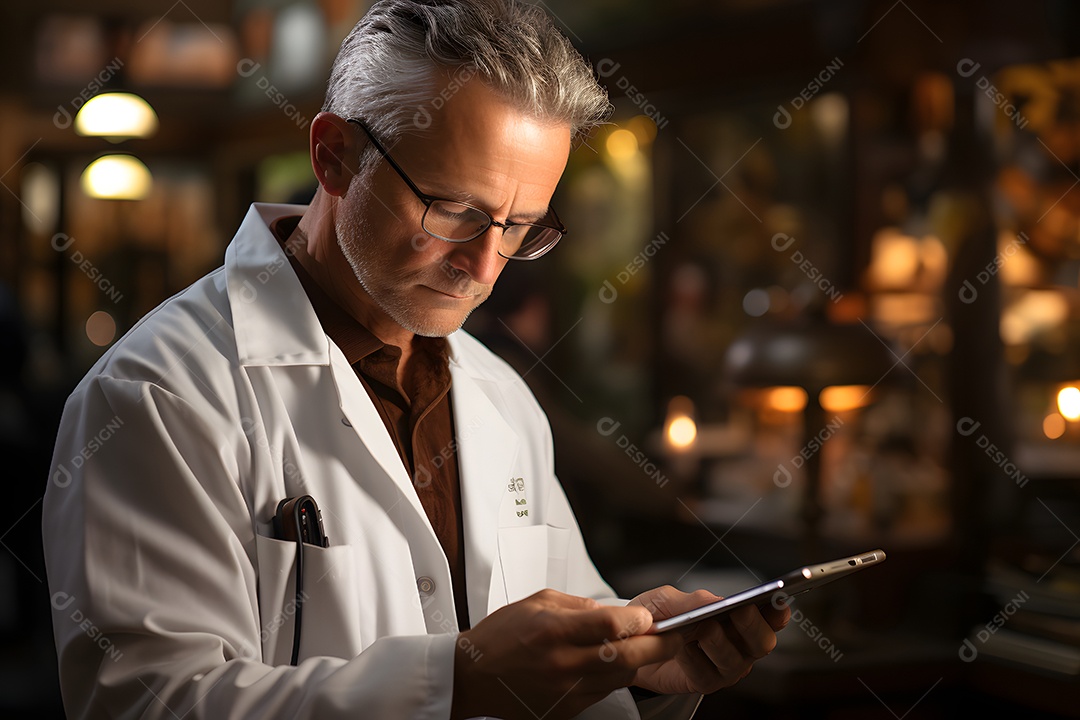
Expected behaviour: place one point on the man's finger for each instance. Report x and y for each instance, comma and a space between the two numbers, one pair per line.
593, 627
554, 598
776, 617
628, 654
757, 637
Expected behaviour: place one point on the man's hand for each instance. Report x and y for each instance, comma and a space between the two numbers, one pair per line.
714, 653
552, 655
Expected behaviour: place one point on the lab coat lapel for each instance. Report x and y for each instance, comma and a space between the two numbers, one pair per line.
358, 410
487, 449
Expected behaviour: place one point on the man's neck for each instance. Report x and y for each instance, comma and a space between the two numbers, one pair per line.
314, 245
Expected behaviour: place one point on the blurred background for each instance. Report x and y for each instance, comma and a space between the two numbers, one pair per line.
819, 296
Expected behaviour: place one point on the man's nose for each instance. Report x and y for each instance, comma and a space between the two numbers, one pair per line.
479, 258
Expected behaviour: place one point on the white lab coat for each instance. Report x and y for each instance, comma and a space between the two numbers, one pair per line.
170, 597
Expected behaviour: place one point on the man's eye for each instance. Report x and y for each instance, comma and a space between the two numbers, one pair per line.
453, 211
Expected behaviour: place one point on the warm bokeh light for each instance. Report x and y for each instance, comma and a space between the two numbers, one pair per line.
40, 197
643, 127
830, 115
1068, 402
842, 398
680, 430
116, 116
895, 259
1035, 312
786, 399
1053, 426
621, 144
117, 177
101, 328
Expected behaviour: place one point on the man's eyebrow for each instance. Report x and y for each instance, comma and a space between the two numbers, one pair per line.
530, 217
459, 195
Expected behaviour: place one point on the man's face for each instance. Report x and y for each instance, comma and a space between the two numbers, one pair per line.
477, 150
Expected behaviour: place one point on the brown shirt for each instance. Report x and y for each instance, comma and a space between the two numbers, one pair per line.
421, 426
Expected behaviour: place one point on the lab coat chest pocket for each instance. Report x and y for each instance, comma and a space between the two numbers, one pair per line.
331, 611
533, 557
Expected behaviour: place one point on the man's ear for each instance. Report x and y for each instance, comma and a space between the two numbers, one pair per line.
335, 152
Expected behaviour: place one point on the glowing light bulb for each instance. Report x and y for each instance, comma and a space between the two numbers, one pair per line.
1068, 402
680, 429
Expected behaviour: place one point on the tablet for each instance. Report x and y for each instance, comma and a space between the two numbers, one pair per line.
777, 591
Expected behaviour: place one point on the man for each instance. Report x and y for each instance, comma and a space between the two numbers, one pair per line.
323, 360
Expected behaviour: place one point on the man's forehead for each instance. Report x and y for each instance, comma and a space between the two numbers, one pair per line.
477, 143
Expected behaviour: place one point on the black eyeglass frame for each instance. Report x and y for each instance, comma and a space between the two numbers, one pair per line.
427, 200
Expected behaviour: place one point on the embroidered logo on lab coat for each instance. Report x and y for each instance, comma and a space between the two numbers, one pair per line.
517, 486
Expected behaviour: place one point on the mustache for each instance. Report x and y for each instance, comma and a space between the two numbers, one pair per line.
456, 282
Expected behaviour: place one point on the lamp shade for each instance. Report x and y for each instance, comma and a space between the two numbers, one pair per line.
117, 177
116, 116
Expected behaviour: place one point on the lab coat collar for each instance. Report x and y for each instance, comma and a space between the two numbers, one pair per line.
273, 320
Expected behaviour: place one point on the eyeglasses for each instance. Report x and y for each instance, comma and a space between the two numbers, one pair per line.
458, 222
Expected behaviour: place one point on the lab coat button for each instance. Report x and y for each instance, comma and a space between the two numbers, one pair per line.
345, 422
425, 585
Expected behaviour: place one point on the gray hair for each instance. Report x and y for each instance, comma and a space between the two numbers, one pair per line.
386, 70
